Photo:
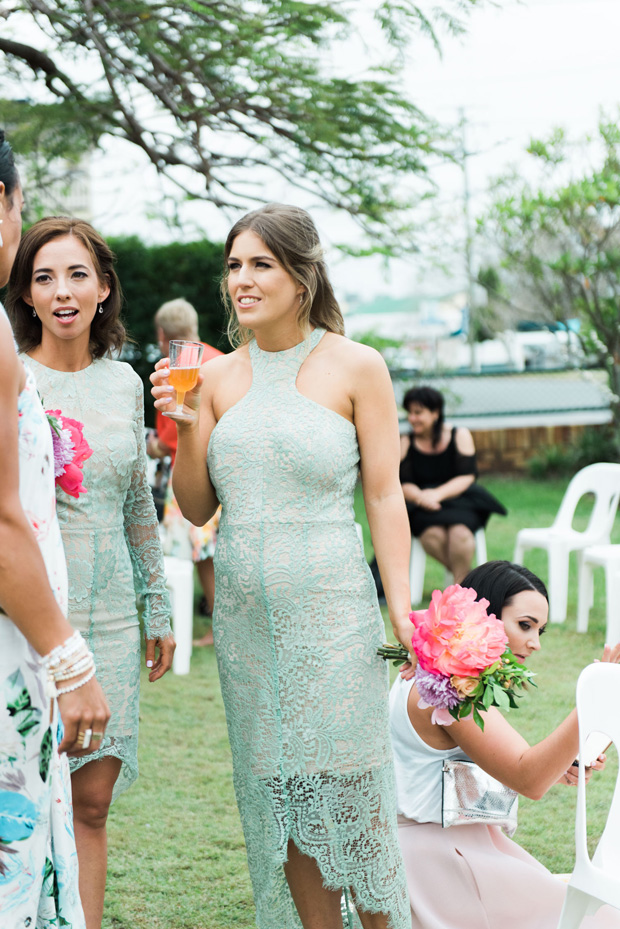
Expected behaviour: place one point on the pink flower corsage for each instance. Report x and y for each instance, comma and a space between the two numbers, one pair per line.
70, 452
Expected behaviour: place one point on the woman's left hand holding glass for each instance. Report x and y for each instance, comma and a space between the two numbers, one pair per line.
162, 662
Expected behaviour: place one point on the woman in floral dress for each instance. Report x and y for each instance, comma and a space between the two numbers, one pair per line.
38, 862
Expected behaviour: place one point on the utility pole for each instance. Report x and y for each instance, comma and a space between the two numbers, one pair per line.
469, 244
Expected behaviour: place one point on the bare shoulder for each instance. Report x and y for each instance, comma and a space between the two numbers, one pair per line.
357, 357
225, 380
464, 441
214, 370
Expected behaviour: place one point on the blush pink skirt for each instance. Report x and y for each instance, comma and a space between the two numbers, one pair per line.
475, 877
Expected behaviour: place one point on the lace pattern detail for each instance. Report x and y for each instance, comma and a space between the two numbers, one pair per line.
111, 541
296, 627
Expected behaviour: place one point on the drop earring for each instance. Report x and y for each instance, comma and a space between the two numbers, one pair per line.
34, 312
100, 308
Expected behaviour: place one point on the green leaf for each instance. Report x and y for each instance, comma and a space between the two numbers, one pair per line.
45, 756
487, 697
27, 717
501, 697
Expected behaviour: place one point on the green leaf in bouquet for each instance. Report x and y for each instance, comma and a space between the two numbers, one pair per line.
487, 697
500, 697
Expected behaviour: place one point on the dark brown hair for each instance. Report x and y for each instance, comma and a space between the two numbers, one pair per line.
290, 234
500, 581
432, 400
107, 332
8, 171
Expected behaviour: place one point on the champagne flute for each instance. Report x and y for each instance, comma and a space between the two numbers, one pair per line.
185, 359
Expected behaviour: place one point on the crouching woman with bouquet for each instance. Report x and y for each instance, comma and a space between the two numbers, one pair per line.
465, 874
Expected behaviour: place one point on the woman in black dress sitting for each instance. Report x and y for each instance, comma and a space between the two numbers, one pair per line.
438, 475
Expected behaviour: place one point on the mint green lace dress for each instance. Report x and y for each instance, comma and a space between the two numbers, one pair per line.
111, 541
296, 626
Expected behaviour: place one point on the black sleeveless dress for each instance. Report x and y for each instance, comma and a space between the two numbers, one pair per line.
472, 508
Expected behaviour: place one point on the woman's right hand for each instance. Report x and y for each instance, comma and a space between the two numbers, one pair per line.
82, 709
165, 395
403, 631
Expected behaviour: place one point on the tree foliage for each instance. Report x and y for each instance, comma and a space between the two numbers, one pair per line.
233, 91
559, 242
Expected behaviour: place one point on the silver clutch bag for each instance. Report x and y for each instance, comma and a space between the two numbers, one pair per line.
470, 795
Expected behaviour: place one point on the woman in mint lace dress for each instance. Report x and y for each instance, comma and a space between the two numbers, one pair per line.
285, 424
64, 301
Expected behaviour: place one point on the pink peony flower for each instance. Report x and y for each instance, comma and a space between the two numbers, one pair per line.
456, 635
70, 479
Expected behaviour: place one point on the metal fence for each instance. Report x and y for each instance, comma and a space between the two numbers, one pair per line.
510, 400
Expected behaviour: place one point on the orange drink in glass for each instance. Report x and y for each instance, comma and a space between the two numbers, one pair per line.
185, 359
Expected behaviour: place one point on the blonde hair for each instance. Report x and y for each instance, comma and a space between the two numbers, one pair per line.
290, 234
178, 319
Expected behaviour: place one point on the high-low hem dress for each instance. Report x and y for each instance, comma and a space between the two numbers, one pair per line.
296, 626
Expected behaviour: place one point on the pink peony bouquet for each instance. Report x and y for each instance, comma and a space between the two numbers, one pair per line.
70, 452
464, 663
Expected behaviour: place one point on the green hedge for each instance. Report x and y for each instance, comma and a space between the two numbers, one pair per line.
152, 274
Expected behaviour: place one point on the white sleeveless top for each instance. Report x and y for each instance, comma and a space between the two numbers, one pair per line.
418, 767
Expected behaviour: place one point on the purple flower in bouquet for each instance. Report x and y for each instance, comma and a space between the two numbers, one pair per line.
63, 450
437, 691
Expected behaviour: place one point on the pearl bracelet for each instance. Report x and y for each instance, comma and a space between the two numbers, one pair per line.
72, 687
74, 670
65, 652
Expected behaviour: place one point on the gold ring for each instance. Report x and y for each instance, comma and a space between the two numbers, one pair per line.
97, 735
84, 738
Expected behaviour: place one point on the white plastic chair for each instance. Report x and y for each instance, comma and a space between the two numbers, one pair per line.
602, 480
607, 557
596, 881
417, 564
180, 582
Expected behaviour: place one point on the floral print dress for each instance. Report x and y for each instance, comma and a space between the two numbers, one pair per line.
38, 861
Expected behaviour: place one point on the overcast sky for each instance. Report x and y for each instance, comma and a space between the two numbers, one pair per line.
521, 70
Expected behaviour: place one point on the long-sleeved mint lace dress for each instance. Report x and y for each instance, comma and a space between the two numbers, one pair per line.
296, 626
111, 541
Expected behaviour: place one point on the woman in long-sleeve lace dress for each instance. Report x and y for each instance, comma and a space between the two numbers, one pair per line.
64, 301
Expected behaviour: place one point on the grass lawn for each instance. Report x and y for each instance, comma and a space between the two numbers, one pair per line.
176, 852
